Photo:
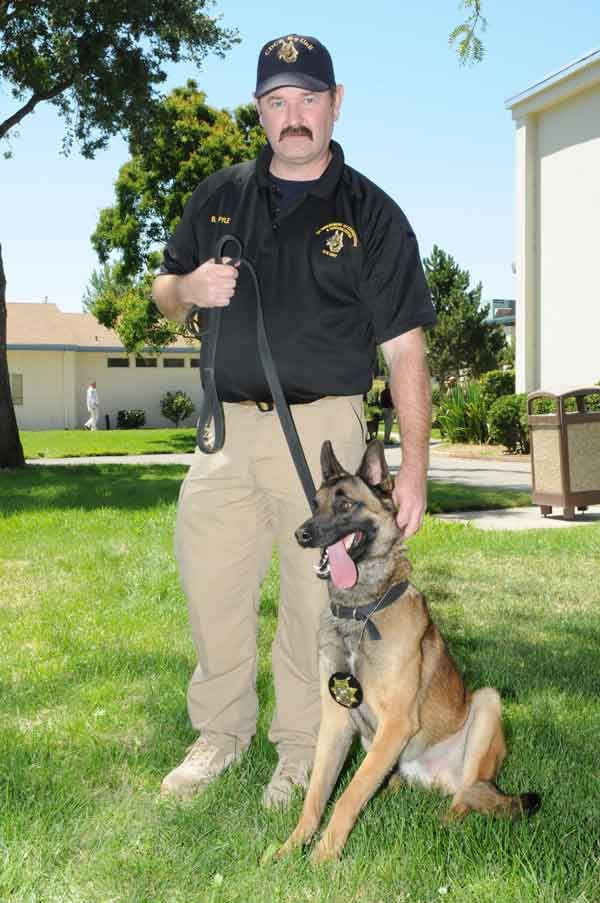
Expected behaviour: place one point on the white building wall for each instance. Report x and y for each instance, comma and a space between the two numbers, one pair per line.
135, 387
43, 389
568, 137
55, 385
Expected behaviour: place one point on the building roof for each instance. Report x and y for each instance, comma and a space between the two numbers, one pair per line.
45, 326
569, 80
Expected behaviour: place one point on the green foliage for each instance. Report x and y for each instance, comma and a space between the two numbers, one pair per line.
126, 305
176, 406
470, 47
462, 414
190, 140
462, 342
372, 405
496, 383
508, 423
100, 64
131, 419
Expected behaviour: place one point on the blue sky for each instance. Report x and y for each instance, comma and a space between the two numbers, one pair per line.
435, 135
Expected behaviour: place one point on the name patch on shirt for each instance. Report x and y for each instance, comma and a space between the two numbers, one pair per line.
334, 238
225, 220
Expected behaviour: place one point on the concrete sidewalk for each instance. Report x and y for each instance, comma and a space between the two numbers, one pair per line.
475, 472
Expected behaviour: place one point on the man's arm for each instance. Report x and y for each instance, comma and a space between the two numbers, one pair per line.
209, 285
411, 392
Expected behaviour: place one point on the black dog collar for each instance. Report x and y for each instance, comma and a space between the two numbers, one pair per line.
364, 612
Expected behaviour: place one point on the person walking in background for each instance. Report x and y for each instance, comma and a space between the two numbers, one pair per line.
387, 407
93, 407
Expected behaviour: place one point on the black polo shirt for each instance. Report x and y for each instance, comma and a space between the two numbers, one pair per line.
339, 270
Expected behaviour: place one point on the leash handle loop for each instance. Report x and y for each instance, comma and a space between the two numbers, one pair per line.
210, 428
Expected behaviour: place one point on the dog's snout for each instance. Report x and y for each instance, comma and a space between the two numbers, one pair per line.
304, 535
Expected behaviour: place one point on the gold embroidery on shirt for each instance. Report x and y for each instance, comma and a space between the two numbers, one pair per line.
224, 220
334, 242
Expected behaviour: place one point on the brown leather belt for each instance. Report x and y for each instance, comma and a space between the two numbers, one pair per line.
266, 406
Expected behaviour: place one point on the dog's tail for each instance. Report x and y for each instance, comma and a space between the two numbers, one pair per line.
485, 796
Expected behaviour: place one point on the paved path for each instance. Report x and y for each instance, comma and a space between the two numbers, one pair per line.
468, 471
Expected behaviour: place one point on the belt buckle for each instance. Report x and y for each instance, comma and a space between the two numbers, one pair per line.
264, 406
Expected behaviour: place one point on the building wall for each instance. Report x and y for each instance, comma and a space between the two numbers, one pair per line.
55, 385
43, 389
568, 138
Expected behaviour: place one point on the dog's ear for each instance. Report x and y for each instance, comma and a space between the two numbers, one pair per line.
330, 465
373, 469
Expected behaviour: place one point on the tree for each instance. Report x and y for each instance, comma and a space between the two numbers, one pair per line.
11, 450
101, 65
190, 141
470, 47
176, 406
462, 340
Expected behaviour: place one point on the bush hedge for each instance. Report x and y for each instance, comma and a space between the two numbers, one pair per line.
508, 423
462, 414
496, 383
131, 419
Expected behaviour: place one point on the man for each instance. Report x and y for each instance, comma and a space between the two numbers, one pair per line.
387, 406
91, 400
340, 271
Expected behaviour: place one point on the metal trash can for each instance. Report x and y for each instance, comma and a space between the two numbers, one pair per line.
565, 452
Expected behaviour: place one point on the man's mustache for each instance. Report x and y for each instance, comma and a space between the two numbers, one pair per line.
296, 131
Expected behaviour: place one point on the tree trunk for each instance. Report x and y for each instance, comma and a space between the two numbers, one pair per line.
11, 450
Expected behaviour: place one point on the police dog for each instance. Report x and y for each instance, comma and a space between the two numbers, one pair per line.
386, 673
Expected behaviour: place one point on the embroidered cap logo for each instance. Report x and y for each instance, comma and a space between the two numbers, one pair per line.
288, 51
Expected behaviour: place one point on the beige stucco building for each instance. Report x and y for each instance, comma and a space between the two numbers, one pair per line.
558, 228
53, 356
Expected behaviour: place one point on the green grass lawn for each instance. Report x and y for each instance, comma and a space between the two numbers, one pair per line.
80, 443
94, 660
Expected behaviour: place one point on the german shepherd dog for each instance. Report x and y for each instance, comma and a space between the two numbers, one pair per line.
386, 673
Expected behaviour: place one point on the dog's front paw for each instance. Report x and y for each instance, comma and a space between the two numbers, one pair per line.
325, 851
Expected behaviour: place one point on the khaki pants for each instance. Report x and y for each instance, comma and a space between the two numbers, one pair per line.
234, 506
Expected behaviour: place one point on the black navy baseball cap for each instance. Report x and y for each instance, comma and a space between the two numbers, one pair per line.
296, 61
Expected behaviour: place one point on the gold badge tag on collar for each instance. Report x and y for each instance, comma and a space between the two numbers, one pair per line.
345, 689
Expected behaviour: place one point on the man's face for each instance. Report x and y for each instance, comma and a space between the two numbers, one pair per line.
299, 123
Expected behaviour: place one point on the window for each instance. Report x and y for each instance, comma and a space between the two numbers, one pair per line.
173, 362
195, 362
117, 361
145, 362
16, 387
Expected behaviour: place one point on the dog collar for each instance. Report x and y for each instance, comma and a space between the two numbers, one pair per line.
364, 612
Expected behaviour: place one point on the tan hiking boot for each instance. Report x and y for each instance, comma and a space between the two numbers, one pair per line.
289, 775
204, 762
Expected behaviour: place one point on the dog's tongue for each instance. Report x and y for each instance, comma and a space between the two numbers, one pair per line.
342, 569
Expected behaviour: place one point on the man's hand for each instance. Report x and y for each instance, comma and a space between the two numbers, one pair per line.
209, 285
410, 498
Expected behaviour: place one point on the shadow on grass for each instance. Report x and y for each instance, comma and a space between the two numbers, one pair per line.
182, 444
89, 486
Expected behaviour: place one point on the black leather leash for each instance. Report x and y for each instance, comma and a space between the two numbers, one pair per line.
212, 409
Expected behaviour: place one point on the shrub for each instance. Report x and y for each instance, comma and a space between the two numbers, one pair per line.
462, 414
508, 423
131, 419
176, 406
372, 406
496, 383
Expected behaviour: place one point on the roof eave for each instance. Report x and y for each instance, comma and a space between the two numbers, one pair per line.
571, 79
